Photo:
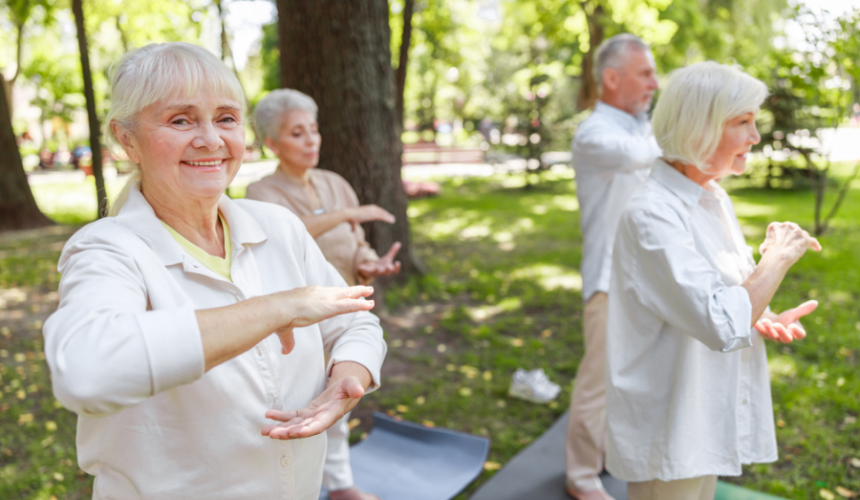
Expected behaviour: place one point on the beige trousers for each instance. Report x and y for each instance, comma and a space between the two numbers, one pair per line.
586, 423
697, 488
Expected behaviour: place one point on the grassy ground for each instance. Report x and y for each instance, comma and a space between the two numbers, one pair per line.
504, 293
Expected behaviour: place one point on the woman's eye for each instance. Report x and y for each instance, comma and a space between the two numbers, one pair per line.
228, 119
180, 121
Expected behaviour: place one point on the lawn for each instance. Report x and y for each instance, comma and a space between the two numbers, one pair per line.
504, 293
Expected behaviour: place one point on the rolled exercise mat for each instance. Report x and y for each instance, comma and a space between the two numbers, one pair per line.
402, 460
537, 473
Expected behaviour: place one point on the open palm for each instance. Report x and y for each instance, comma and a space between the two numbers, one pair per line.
785, 327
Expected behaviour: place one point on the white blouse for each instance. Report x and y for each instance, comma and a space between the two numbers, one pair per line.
126, 355
688, 392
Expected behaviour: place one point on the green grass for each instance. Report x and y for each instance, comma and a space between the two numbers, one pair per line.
504, 293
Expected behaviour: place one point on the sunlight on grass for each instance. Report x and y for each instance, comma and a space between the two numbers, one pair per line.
482, 313
781, 366
550, 277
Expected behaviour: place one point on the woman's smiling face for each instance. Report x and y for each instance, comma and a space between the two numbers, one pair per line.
189, 146
739, 135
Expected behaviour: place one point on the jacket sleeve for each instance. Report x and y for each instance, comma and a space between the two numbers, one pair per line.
105, 349
349, 337
673, 280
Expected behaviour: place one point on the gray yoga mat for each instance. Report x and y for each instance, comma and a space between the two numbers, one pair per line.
537, 473
402, 460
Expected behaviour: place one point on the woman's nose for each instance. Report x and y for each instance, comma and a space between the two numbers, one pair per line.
208, 138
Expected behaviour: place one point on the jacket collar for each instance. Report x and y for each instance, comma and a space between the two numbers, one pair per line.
137, 215
677, 183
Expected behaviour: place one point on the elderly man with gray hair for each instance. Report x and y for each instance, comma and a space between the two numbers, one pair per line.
612, 153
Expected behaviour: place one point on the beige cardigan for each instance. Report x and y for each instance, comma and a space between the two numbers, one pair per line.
343, 246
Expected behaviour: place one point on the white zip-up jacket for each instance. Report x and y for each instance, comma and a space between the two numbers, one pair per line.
125, 354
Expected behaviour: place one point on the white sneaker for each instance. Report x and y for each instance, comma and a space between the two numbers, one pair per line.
533, 386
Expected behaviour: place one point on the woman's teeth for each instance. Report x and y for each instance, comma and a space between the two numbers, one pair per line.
204, 163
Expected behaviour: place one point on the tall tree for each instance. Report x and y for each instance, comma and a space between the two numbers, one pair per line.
338, 52
403, 60
92, 117
18, 208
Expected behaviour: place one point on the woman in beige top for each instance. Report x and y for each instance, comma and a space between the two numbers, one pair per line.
327, 205
323, 200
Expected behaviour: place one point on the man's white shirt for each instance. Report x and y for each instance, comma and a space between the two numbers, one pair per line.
612, 154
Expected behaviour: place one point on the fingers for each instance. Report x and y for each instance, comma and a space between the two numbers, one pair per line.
815, 245
355, 292
782, 332
288, 341
804, 309
392, 251
796, 331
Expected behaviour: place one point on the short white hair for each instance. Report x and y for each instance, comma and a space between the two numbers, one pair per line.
158, 71
695, 105
612, 51
271, 110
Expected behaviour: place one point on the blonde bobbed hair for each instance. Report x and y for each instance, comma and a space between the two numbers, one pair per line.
691, 114
158, 71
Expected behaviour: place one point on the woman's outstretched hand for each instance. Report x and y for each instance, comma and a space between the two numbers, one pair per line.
382, 267
785, 327
341, 396
788, 240
312, 304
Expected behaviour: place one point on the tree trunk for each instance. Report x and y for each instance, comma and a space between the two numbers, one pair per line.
95, 142
588, 90
18, 209
338, 52
403, 60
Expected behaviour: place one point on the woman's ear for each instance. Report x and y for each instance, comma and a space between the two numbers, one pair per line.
272, 145
126, 141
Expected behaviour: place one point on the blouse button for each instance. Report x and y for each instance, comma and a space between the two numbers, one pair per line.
286, 461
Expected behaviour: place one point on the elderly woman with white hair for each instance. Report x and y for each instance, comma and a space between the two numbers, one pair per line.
191, 328
688, 393
328, 206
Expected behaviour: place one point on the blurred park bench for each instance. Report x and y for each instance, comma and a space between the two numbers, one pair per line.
431, 153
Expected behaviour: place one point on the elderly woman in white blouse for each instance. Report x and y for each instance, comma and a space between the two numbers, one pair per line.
688, 394
191, 328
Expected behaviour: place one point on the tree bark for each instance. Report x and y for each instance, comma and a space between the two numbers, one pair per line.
403, 60
588, 90
338, 52
95, 141
18, 209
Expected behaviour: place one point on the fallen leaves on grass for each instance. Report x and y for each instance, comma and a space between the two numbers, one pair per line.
826, 494
844, 492
465, 392
25, 418
401, 408
855, 462
354, 423
492, 466
517, 342
420, 400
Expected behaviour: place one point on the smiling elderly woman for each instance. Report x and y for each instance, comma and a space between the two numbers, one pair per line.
688, 394
189, 323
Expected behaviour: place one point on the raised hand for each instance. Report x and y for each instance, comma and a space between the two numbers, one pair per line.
789, 240
368, 213
384, 266
785, 327
309, 305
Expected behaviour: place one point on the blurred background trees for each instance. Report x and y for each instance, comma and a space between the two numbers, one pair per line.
513, 77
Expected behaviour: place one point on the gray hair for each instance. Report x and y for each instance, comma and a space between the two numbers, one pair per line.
612, 51
271, 110
157, 71
695, 105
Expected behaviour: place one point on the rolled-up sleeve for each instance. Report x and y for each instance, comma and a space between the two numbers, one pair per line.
106, 351
674, 281
349, 337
